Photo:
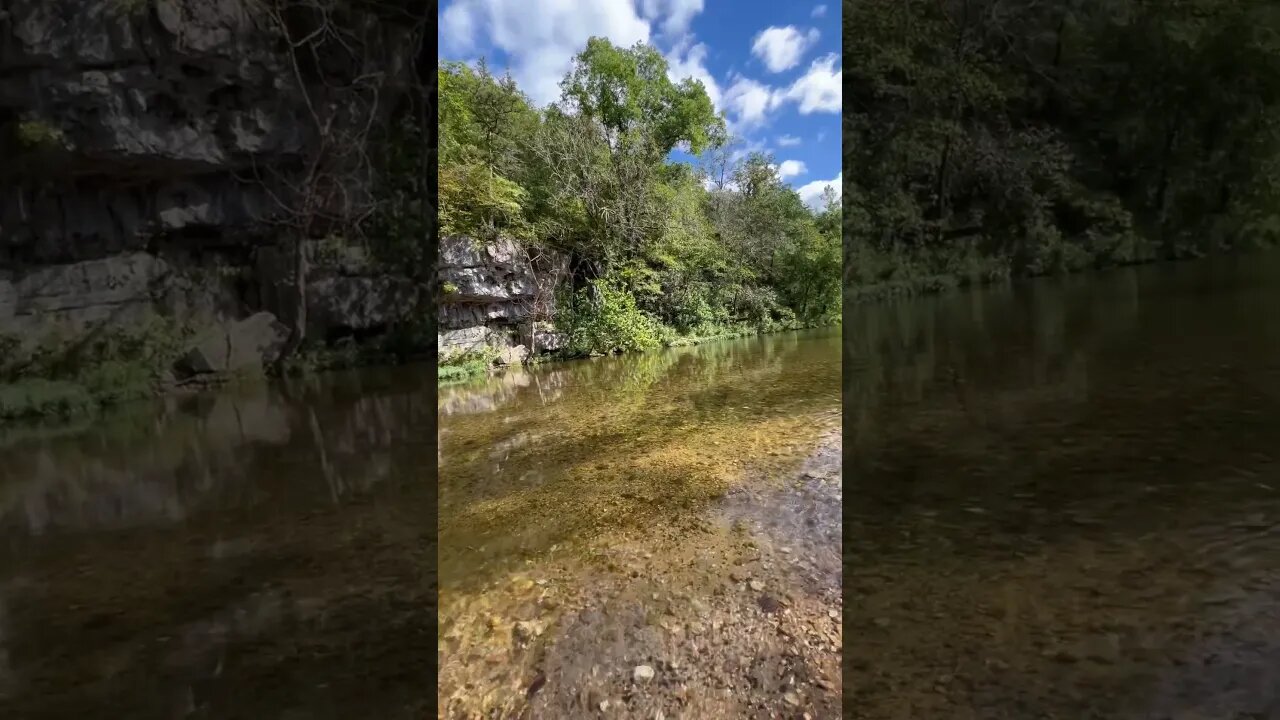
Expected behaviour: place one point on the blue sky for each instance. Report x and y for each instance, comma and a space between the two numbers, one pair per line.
771, 66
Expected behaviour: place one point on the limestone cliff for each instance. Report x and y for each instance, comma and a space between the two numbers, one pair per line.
135, 133
496, 294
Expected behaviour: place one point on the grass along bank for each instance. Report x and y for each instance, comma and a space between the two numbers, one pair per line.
469, 365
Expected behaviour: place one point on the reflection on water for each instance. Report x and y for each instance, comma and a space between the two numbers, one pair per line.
537, 458
1066, 498
249, 553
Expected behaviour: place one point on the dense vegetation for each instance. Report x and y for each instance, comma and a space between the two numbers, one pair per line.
659, 250
988, 138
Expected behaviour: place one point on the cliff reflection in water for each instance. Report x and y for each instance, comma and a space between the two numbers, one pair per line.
226, 553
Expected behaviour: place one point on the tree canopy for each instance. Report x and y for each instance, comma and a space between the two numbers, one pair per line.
655, 254
1002, 136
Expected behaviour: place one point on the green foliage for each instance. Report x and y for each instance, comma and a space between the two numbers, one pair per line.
628, 92
30, 398
36, 134
464, 366
1059, 135
656, 256
109, 366
476, 201
604, 318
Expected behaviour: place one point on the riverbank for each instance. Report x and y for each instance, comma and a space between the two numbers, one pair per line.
464, 367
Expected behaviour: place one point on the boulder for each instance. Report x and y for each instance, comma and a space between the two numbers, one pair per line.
542, 337
245, 344
456, 342
515, 355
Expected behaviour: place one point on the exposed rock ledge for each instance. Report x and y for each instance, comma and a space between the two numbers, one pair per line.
495, 295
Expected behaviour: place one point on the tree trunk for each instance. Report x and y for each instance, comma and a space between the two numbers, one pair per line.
1162, 192
297, 318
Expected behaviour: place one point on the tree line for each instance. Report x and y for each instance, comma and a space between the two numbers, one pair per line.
658, 249
987, 138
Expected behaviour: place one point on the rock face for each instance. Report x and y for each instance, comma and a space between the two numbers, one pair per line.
241, 345
359, 303
135, 135
494, 293
71, 297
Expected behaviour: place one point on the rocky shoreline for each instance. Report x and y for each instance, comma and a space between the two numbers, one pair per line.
741, 620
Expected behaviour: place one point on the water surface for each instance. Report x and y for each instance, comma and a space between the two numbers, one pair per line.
266, 552
1065, 498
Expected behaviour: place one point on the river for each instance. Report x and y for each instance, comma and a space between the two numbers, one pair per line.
1065, 503
1065, 498
266, 551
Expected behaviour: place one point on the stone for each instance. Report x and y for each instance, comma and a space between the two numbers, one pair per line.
513, 355
109, 282
157, 112
791, 699
248, 343
358, 303
642, 673
526, 630
464, 340
756, 585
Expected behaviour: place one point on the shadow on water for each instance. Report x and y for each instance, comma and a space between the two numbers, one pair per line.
1065, 498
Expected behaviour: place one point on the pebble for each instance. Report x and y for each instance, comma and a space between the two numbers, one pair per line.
791, 698
642, 673
756, 585
833, 614
526, 630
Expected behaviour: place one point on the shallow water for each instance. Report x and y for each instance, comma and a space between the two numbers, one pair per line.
585, 513
1063, 498
534, 459
265, 552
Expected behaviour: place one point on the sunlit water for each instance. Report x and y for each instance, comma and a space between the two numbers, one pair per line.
1063, 498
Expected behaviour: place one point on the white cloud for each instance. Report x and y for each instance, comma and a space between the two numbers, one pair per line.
788, 141
675, 15
709, 184
540, 36
750, 102
782, 47
819, 11
689, 61
791, 168
818, 90
811, 193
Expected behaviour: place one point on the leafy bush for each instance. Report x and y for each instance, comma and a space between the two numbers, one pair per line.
604, 318
38, 398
